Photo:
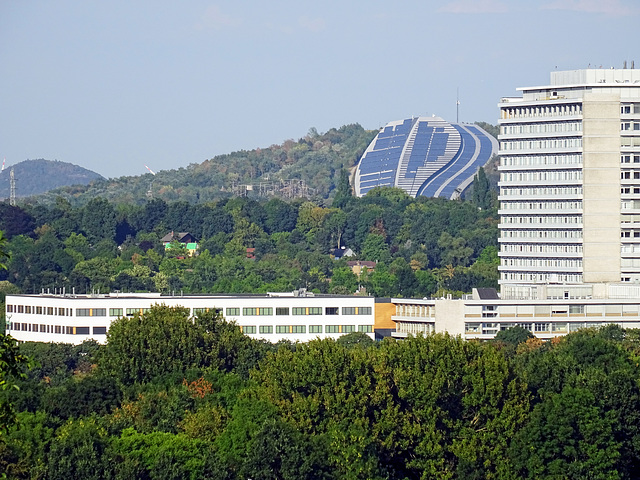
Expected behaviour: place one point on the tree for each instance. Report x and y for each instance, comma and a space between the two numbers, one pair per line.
343, 190
514, 335
158, 342
99, 220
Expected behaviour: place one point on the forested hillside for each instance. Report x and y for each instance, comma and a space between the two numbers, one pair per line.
315, 159
422, 246
223, 406
37, 176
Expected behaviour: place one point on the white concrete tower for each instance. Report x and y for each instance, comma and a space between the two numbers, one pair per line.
570, 180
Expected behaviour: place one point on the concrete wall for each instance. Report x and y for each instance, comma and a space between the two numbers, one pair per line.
601, 188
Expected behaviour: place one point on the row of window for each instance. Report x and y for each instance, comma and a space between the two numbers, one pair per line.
414, 328
630, 108
541, 176
422, 311
287, 329
550, 127
545, 220
630, 262
491, 328
541, 234
541, 111
629, 174
630, 205
536, 248
541, 262
535, 160
547, 143
627, 190
55, 329
546, 205
539, 191
232, 312
627, 158
253, 311
59, 312
625, 126
541, 277
630, 248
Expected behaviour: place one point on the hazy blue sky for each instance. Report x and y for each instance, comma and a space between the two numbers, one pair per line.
114, 85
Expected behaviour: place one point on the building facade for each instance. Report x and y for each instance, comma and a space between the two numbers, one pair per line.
295, 316
425, 156
570, 180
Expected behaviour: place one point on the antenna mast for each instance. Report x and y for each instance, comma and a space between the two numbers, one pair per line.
12, 195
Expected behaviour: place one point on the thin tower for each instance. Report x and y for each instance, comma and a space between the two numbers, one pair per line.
12, 196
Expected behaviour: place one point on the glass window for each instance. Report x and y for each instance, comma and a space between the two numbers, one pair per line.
115, 312
348, 310
82, 331
99, 312
348, 328
315, 328
132, 311
266, 329
365, 328
27, 309
299, 311
83, 312
282, 328
249, 329
49, 310
282, 310
298, 329
233, 312
265, 311
38, 310
315, 310
331, 311
99, 330
197, 311
332, 329
364, 310
249, 311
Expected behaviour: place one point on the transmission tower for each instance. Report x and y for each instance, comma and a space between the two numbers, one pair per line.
12, 195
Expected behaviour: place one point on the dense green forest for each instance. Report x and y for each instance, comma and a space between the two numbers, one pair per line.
38, 176
169, 397
422, 246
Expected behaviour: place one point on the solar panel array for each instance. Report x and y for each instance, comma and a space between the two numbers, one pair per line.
424, 156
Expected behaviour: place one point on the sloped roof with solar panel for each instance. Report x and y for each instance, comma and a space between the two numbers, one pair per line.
425, 156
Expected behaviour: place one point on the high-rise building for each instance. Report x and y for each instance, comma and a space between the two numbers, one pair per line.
570, 180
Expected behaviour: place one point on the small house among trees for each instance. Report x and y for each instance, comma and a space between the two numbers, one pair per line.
185, 239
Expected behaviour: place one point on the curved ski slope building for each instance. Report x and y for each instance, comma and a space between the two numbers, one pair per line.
425, 156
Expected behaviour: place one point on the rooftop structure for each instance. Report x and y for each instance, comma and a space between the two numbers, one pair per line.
424, 156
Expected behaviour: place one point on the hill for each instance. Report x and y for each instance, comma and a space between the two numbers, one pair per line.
34, 177
312, 164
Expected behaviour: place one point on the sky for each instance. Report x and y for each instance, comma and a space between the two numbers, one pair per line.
114, 86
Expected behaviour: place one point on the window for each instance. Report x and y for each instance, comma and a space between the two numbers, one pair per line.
541, 327
132, 311
298, 329
282, 310
197, 311
100, 330
233, 312
364, 310
9, 308
249, 329
43, 328
265, 311
315, 328
20, 308
315, 310
27, 309
49, 310
299, 311
58, 329
249, 311
348, 310
82, 331
99, 312
282, 328
332, 329
83, 312
38, 310
365, 328
331, 311
348, 328
266, 329
114, 312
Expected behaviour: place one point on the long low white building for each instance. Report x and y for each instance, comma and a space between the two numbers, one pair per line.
295, 316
